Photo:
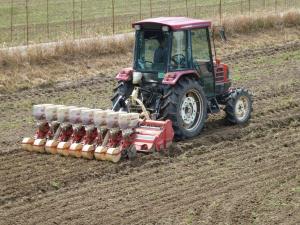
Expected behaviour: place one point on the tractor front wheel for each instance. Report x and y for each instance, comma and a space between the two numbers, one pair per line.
238, 106
186, 106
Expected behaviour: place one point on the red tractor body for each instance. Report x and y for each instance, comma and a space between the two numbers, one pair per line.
179, 76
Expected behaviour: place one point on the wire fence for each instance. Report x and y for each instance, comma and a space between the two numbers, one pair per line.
34, 21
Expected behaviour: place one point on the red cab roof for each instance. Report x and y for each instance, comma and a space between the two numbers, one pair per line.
176, 23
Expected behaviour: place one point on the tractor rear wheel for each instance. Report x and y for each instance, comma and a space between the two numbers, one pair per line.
238, 106
123, 89
185, 105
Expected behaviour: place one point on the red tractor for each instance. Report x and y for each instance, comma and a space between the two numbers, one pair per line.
176, 76
174, 84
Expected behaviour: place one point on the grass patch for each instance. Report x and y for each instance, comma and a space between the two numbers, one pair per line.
65, 50
296, 189
55, 184
87, 18
248, 24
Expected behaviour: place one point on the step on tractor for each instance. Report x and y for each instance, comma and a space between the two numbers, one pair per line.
174, 83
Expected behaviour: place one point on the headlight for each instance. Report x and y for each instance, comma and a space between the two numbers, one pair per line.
137, 77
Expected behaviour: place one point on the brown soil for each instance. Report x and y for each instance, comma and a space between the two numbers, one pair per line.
228, 175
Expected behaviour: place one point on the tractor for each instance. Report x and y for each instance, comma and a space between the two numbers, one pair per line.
178, 77
174, 83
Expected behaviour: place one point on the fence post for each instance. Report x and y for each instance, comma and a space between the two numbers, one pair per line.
249, 5
275, 6
113, 15
186, 7
195, 8
73, 15
48, 32
169, 7
81, 15
220, 11
27, 24
241, 6
140, 9
11, 20
285, 4
150, 8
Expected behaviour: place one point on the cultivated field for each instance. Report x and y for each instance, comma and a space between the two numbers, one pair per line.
228, 175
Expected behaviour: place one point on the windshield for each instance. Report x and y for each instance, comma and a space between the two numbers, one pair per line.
151, 50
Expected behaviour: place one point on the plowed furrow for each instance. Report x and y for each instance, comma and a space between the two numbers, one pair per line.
79, 193
265, 51
86, 203
43, 167
237, 208
236, 133
69, 176
94, 82
285, 213
177, 204
275, 112
180, 197
235, 152
271, 94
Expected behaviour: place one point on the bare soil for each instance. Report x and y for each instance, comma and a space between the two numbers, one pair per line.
228, 175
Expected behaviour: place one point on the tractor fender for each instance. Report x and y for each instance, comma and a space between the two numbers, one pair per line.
125, 74
171, 78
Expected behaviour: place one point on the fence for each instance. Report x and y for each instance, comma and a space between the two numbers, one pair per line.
28, 21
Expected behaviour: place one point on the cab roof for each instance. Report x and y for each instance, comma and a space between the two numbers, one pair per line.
176, 23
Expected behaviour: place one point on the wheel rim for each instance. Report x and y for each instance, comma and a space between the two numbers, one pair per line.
242, 108
191, 110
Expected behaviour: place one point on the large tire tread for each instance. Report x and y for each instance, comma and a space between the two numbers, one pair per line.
170, 104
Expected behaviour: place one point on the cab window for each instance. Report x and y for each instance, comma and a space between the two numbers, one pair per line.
179, 53
200, 47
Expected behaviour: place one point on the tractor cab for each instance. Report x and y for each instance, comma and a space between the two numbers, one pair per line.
174, 45
161, 47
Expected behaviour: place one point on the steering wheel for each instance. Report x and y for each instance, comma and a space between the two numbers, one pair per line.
151, 63
142, 63
178, 59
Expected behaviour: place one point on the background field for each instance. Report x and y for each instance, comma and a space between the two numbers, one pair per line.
31, 21
228, 175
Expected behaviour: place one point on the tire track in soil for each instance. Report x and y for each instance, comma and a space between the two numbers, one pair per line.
172, 201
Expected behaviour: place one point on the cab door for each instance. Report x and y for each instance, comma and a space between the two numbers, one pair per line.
202, 59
